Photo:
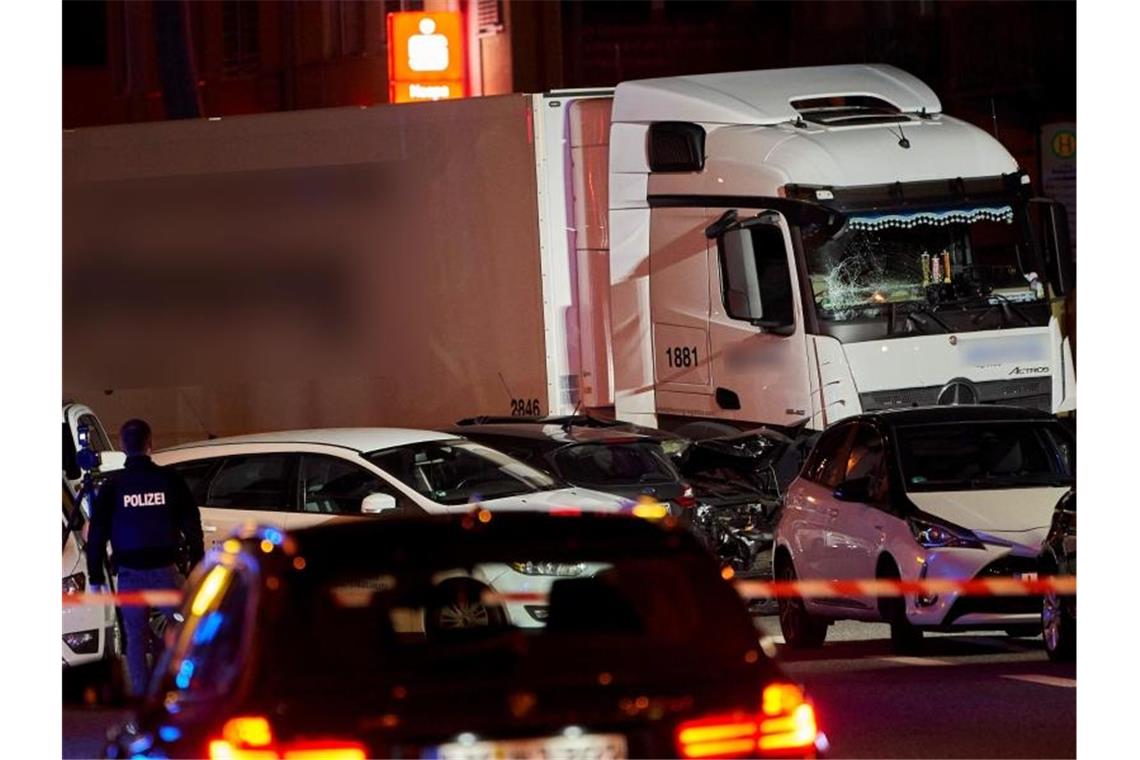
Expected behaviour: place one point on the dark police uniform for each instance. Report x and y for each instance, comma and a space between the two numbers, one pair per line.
148, 514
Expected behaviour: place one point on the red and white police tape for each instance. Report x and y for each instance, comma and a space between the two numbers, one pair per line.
1064, 585
152, 598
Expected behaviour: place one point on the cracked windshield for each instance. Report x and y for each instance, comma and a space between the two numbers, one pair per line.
968, 256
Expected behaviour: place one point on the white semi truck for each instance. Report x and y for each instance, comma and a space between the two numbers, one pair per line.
782, 247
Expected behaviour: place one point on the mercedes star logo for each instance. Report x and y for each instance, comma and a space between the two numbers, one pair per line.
959, 391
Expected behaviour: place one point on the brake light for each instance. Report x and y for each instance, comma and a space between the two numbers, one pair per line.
250, 738
718, 736
785, 726
789, 721
688, 497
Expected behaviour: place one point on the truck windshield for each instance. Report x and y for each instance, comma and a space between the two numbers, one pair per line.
460, 472
880, 260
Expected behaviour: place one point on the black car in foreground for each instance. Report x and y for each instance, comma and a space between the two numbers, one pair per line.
312, 645
1059, 557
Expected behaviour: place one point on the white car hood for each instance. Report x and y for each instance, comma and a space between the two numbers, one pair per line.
1009, 515
565, 498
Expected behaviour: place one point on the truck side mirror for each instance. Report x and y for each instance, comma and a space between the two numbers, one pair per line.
1051, 226
755, 277
377, 503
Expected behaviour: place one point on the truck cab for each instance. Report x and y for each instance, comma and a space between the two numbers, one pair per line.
796, 246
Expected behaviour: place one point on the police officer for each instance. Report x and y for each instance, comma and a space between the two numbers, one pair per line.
148, 514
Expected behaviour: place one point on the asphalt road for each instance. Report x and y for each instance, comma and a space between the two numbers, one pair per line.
965, 696
975, 695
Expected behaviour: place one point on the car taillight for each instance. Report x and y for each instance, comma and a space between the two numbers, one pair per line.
785, 726
688, 498
250, 738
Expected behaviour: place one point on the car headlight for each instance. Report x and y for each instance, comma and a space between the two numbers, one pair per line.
558, 569
74, 584
934, 535
82, 642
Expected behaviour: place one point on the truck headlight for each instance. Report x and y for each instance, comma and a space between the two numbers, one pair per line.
936, 535
559, 569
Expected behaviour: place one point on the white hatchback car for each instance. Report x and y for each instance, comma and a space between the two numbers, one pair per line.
296, 479
952, 492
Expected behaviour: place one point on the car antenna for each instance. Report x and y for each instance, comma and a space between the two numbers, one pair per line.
197, 417
903, 142
570, 420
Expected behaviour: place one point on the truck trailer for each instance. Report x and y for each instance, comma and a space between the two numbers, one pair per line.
701, 254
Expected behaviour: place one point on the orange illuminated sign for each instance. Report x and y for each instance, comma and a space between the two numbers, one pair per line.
425, 56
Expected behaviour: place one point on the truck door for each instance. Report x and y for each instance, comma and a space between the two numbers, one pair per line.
756, 327
679, 303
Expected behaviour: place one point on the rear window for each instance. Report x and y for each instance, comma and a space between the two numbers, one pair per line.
576, 608
624, 463
983, 455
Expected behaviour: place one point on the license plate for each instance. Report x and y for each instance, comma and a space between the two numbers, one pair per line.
583, 747
1025, 576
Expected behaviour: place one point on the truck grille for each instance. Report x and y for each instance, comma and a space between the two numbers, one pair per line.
1029, 392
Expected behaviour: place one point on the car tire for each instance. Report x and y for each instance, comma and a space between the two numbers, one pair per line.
801, 630
462, 610
905, 637
1058, 628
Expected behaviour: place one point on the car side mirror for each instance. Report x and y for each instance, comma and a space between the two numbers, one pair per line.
856, 489
377, 503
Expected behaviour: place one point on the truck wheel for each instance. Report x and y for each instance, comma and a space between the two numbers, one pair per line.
801, 630
1058, 629
905, 638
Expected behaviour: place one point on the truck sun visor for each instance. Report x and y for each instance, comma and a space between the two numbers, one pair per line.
933, 217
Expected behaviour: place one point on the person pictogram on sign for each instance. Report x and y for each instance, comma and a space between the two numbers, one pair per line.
428, 51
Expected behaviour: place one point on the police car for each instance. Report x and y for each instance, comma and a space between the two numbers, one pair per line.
90, 632
301, 478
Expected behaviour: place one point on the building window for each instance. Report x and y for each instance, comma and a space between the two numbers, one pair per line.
85, 34
489, 16
240, 37
343, 28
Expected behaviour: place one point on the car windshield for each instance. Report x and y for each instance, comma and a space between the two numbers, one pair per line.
981, 455
615, 464
887, 259
429, 620
460, 472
